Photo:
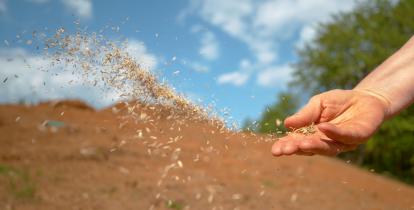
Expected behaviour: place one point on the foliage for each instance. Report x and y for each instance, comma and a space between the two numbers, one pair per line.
174, 205
350, 46
271, 120
391, 150
249, 125
285, 105
19, 182
344, 51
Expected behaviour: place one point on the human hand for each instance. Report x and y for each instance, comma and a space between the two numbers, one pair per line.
343, 120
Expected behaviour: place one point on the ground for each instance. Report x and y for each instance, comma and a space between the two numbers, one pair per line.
66, 155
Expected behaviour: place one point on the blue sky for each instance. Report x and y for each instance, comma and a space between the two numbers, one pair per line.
235, 54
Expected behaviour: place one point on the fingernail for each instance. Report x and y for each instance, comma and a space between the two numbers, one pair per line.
276, 151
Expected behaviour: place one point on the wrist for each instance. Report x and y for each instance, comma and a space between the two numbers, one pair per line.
381, 97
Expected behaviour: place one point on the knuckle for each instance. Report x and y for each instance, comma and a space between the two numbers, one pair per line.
315, 98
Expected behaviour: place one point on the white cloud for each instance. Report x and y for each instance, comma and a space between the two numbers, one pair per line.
209, 46
209, 49
3, 6
139, 52
229, 14
234, 78
264, 51
198, 67
82, 8
276, 76
245, 64
306, 35
239, 77
284, 15
264, 25
30, 78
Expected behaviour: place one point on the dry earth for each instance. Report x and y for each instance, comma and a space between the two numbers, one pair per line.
66, 155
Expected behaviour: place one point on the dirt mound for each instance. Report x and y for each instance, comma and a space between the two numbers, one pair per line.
67, 157
72, 104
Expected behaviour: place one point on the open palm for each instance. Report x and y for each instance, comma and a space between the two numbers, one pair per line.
343, 118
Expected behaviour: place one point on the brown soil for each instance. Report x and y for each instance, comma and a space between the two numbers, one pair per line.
104, 160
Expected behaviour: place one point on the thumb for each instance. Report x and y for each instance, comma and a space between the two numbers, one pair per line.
348, 133
307, 115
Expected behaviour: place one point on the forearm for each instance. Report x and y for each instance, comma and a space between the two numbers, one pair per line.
393, 80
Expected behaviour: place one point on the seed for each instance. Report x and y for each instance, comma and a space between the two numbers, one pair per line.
180, 164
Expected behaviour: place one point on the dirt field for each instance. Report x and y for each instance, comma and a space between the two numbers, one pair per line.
68, 156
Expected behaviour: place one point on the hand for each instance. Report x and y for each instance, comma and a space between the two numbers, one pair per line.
343, 120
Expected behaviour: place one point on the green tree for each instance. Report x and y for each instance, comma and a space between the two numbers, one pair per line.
248, 125
344, 51
285, 105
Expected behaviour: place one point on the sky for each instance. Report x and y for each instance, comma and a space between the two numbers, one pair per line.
234, 54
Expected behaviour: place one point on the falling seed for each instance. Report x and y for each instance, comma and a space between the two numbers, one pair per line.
262, 193
236, 196
84, 52
140, 135
197, 158
180, 164
210, 198
278, 122
123, 170
293, 197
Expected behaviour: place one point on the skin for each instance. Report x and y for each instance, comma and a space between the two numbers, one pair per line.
346, 118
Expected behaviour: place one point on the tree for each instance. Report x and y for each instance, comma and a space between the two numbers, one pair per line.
285, 105
248, 125
344, 51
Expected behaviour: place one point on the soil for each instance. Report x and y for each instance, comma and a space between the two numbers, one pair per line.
66, 155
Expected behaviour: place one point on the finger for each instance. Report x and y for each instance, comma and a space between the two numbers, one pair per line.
285, 146
306, 116
290, 147
300, 152
346, 133
277, 149
324, 147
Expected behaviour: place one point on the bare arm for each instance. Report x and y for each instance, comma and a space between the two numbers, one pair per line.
347, 118
393, 80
